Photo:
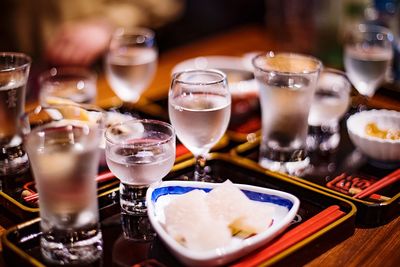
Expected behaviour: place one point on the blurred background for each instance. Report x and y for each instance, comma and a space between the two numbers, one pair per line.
44, 28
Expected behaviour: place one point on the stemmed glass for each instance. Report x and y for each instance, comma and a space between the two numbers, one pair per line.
131, 62
199, 104
367, 57
139, 153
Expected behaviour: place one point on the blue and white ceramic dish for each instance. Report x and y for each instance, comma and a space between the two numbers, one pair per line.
285, 208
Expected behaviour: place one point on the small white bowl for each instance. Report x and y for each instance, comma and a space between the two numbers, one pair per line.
286, 206
239, 73
374, 147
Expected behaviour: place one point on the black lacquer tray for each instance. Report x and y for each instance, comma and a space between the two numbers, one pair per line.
21, 243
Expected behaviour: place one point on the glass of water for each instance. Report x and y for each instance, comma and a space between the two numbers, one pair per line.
14, 72
72, 83
62, 143
287, 83
330, 103
139, 153
199, 106
131, 62
368, 54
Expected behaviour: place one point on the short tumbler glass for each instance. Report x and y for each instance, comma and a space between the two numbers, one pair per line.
330, 103
63, 148
287, 84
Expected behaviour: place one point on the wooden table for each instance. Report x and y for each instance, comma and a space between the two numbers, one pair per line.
367, 247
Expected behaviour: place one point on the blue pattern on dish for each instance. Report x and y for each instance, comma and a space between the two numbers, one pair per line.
261, 197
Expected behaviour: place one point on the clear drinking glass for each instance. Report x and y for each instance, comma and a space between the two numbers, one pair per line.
368, 54
139, 153
131, 62
199, 105
62, 143
72, 83
330, 103
287, 83
14, 72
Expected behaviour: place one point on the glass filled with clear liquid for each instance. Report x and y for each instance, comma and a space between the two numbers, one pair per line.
199, 107
76, 84
14, 72
330, 103
368, 55
287, 83
139, 153
62, 143
131, 62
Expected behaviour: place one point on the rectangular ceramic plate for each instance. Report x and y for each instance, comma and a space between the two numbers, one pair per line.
21, 243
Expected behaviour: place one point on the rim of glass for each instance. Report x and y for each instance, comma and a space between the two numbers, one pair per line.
271, 54
222, 76
67, 71
339, 73
146, 121
124, 32
17, 55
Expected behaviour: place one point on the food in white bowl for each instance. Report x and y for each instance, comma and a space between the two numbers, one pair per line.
206, 248
374, 133
239, 75
219, 214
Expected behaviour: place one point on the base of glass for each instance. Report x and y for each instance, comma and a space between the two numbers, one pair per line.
292, 167
133, 199
136, 227
323, 138
72, 247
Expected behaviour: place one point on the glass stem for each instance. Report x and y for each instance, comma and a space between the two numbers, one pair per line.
133, 199
200, 171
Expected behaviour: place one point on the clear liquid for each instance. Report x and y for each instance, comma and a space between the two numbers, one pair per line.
284, 117
327, 106
200, 120
141, 165
12, 101
130, 70
64, 164
367, 68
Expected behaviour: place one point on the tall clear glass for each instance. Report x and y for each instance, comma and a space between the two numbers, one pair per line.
287, 83
368, 54
131, 62
199, 105
62, 143
14, 72
139, 153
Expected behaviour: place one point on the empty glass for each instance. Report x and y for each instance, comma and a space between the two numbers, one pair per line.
63, 149
287, 83
199, 105
72, 83
330, 103
14, 72
139, 153
368, 54
131, 62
